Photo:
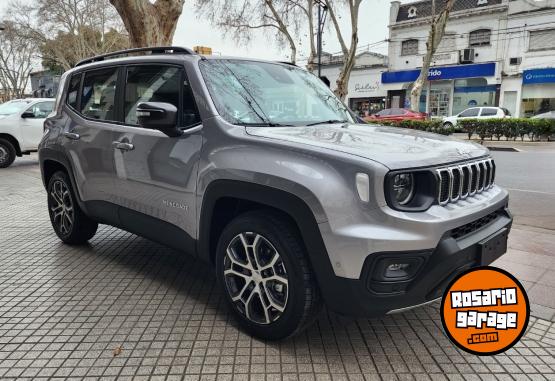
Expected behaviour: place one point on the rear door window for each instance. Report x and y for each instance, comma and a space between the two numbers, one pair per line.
98, 97
489, 111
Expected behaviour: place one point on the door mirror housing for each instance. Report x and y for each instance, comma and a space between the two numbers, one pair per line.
159, 116
28, 114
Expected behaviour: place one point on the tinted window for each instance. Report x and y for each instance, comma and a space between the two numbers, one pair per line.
99, 92
397, 111
384, 112
469, 113
73, 90
488, 111
150, 84
41, 109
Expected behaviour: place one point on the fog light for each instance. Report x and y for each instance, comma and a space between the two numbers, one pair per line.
397, 270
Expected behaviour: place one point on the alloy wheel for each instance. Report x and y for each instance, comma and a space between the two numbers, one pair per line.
3, 155
256, 278
61, 207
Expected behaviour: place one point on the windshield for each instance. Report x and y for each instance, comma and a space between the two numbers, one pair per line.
13, 107
268, 94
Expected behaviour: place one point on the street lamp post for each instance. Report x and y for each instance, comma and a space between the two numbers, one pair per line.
322, 13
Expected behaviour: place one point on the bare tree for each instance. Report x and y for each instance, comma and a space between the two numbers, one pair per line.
149, 23
437, 30
67, 31
349, 52
282, 18
16, 54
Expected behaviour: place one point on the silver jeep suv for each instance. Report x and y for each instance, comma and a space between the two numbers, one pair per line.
258, 169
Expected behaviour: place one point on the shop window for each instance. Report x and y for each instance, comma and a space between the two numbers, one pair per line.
480, 37
409, 47
542, 39
537, 99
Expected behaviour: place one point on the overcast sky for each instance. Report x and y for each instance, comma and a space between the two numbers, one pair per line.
191, 31
374, 18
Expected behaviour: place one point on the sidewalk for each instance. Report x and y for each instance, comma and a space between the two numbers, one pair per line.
531, 258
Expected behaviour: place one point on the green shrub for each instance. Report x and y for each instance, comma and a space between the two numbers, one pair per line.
434, 125
510, 128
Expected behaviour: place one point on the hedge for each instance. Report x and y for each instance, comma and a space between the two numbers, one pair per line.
510, 128
435, 126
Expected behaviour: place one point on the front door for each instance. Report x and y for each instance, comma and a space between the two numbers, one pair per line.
32, 124
155, 174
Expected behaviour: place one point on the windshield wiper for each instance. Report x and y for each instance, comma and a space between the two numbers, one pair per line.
331, 121
266, 124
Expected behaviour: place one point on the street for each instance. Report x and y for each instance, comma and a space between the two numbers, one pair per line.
124, 307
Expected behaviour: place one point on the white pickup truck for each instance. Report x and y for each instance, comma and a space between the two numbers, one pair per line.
21, 127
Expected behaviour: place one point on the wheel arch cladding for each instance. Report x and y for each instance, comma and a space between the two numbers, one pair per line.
225, 199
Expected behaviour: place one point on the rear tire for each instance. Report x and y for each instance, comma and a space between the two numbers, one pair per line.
71, 225
7, 153
266, 277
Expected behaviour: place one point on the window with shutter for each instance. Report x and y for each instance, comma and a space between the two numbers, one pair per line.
479, 37
542, 39
409, 47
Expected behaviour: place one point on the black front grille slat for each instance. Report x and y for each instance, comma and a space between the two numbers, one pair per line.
444, 187
456, 184
474, 179
474, 225
465, 181
462, 181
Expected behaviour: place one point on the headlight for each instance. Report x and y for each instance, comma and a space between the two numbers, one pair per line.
403, 188
413, 191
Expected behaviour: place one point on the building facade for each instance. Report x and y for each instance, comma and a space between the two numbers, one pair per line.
494, 52
366, 93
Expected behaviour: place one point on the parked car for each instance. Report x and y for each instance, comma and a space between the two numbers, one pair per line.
396, 114
21, 127
476, 113
292, 211
545, 115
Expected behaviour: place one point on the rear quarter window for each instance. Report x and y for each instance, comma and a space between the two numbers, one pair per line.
73, 91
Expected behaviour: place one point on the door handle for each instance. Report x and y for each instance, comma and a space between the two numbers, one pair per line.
123, 146
72, 135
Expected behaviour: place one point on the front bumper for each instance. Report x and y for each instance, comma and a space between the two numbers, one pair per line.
458, 250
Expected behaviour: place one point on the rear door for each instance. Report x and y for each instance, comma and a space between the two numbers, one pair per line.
31, 124
155, 174
88, 132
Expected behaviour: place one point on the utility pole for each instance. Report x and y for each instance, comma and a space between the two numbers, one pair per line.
322, 13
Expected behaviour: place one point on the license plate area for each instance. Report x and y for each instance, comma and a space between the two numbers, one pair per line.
493, 247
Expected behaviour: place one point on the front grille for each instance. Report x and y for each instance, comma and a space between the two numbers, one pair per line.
461, 181
473, 226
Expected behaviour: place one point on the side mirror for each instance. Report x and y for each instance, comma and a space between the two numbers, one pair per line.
27, 114
158, 116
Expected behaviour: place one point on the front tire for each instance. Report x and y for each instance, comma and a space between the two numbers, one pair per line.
7, 153
267, 280
71, 225
448, 125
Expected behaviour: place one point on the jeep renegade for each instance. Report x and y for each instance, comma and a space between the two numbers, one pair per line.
258, 169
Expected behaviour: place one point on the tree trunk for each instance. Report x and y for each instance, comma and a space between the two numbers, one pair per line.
312, 55
435, 35
283, 29
149, 24
349, 54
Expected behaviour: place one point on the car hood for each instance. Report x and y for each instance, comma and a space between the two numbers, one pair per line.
393, 147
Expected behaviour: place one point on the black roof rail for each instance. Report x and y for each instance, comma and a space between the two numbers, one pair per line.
153, 50
287, 63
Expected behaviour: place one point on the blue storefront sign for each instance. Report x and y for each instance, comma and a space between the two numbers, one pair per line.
546, 75
442, 72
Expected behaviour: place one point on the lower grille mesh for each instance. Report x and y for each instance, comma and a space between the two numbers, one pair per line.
473, 226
